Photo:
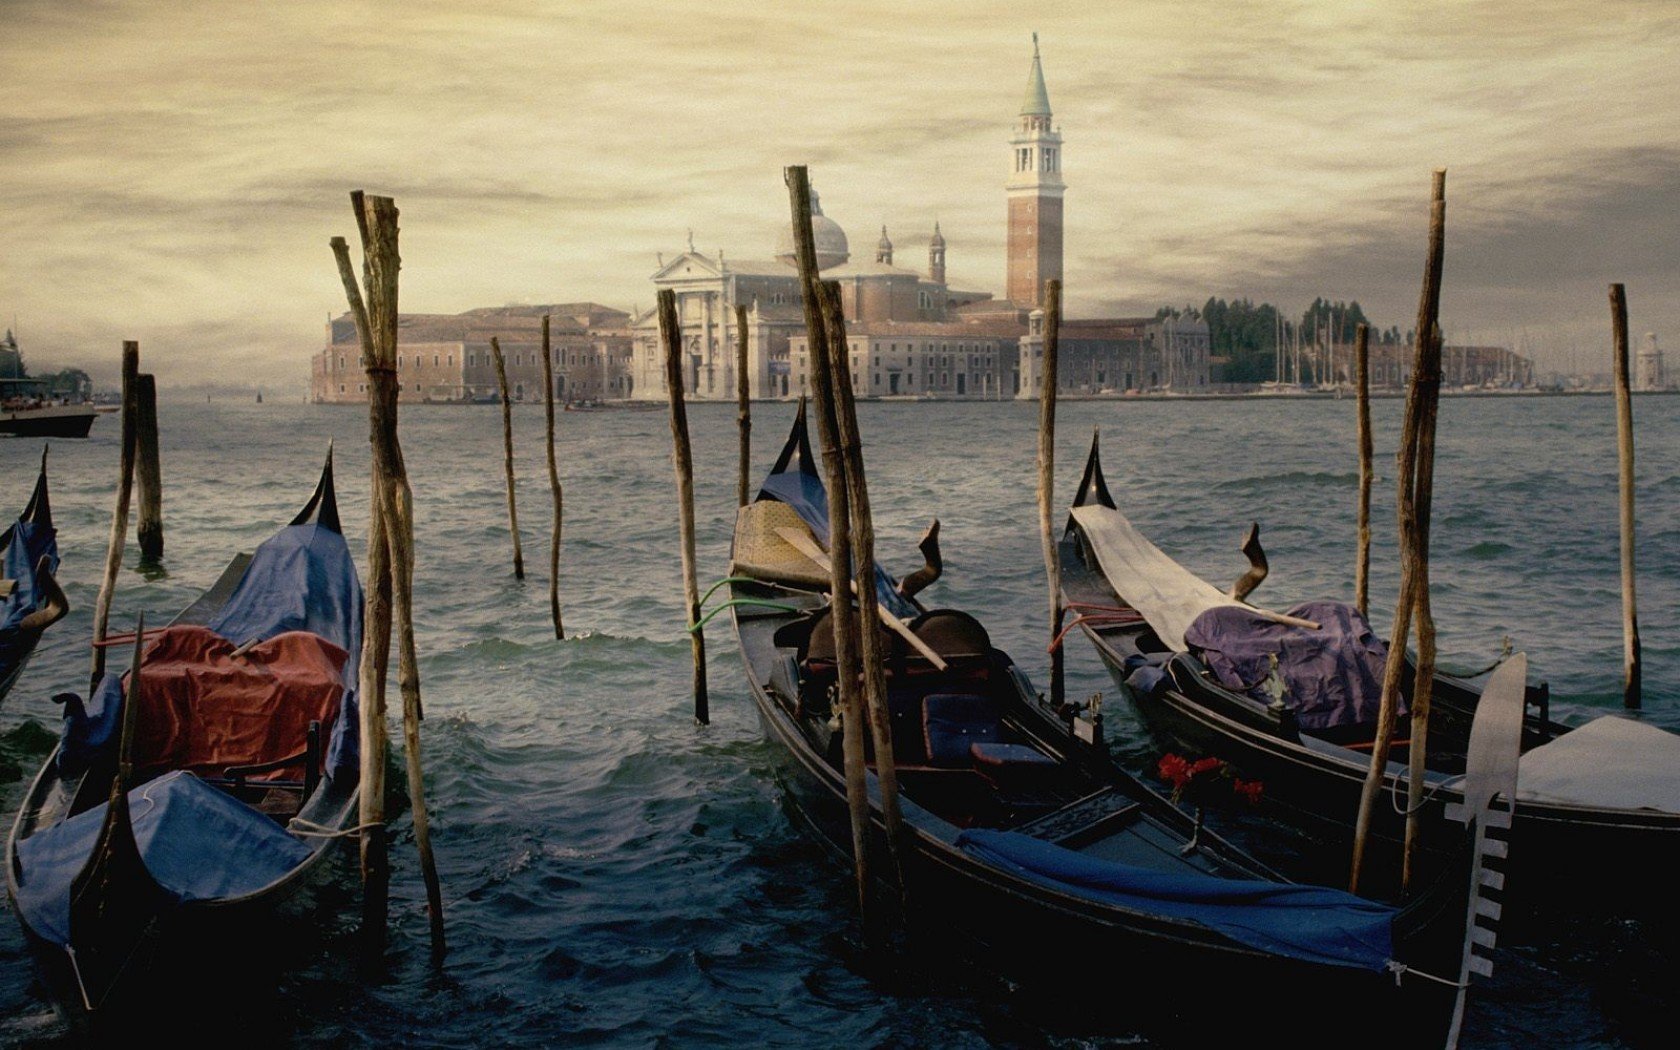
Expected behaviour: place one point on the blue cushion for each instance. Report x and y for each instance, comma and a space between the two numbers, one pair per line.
953, 722
992, 754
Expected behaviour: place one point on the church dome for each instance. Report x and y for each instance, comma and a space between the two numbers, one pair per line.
832, 247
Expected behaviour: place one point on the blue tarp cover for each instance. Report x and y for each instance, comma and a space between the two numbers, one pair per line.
301, 579
1310, 923
29, 542
805, 494
198, 843
1331, 676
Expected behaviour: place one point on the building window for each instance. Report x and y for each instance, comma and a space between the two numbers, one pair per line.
341, 388
434, 360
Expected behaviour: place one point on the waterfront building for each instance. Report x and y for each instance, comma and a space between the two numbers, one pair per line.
447, 357
1648, 372
1462, 367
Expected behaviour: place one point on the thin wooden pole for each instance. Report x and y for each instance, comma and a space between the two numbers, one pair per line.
1362, 566
507, 457
1047, 477
863, 573
148, 474
842, 617
743, 407
391, 564
119, 516
1406, 456
376, 621
553, 487
1423, 681
1632, 676
682, 459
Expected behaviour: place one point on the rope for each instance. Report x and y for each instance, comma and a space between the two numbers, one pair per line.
1400, 969
1115, 618
1504, 654
724, 582
1406, 811
310, 829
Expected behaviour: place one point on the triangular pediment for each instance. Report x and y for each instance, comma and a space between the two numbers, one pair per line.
688, 266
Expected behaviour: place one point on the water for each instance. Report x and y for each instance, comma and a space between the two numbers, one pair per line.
615, 875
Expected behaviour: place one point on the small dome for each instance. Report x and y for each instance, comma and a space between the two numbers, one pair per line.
884, 244
832, 247
938, 238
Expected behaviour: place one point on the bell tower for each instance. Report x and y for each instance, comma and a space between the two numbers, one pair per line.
1035, 189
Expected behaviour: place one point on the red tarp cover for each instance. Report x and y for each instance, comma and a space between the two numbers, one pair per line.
203, 709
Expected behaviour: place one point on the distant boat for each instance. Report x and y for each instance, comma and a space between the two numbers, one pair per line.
33, 416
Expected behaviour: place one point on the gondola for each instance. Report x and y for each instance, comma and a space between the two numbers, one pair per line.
1031, 848
171, 823
1596, 801
30, 598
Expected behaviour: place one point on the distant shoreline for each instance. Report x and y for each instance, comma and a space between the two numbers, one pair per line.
1305, 395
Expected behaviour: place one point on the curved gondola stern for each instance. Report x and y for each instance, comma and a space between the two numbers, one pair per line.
322, 508
1092, 487
796, 454
38, 510
114, 900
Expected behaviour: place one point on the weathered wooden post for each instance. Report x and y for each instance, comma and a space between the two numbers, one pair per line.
842, 616
1632, 686
390, 596
119, 516
743, 407
507, 456
1047, 477
553, 488
682, 458
844, 407
1425, 386
148, 475
1362, 566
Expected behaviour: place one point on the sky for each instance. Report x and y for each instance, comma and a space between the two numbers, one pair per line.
171, 171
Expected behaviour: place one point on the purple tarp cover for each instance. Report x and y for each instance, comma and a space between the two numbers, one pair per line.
1331, 676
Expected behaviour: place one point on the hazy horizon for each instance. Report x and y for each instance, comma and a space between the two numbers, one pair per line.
174, 171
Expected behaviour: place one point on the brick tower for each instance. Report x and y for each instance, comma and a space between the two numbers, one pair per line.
1035, 195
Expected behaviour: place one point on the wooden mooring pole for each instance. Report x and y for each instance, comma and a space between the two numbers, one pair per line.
1632, 685
1047, 477
553, 488
390, 598
743, 405
682, 459
1424, 387
1362, 565
148, 474
844, 407
119, 516
842, 616
507, 456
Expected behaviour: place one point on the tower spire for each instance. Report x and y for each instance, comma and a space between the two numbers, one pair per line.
1035, 189
1037, 102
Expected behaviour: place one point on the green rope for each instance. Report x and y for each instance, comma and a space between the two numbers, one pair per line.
723, 582
756, 603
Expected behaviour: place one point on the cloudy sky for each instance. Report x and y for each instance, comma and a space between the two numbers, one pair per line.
172, 171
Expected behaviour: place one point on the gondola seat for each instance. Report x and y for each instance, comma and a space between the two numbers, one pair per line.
953, 722
1013, 769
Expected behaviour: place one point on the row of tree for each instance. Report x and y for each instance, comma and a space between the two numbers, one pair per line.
1245, 333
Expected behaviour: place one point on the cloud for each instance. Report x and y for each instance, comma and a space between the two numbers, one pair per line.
173, 170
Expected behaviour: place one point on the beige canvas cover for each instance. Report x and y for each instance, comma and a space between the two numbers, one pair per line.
1167, 594
762, 553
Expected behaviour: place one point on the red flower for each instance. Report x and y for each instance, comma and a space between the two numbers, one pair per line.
1205, 765
1174, 770
1248, 789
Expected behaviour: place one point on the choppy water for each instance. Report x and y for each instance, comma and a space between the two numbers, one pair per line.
615, 875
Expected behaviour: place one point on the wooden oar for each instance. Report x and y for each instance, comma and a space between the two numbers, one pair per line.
807, 546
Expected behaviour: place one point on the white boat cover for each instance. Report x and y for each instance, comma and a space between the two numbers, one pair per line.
1167, 594
1611, 761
